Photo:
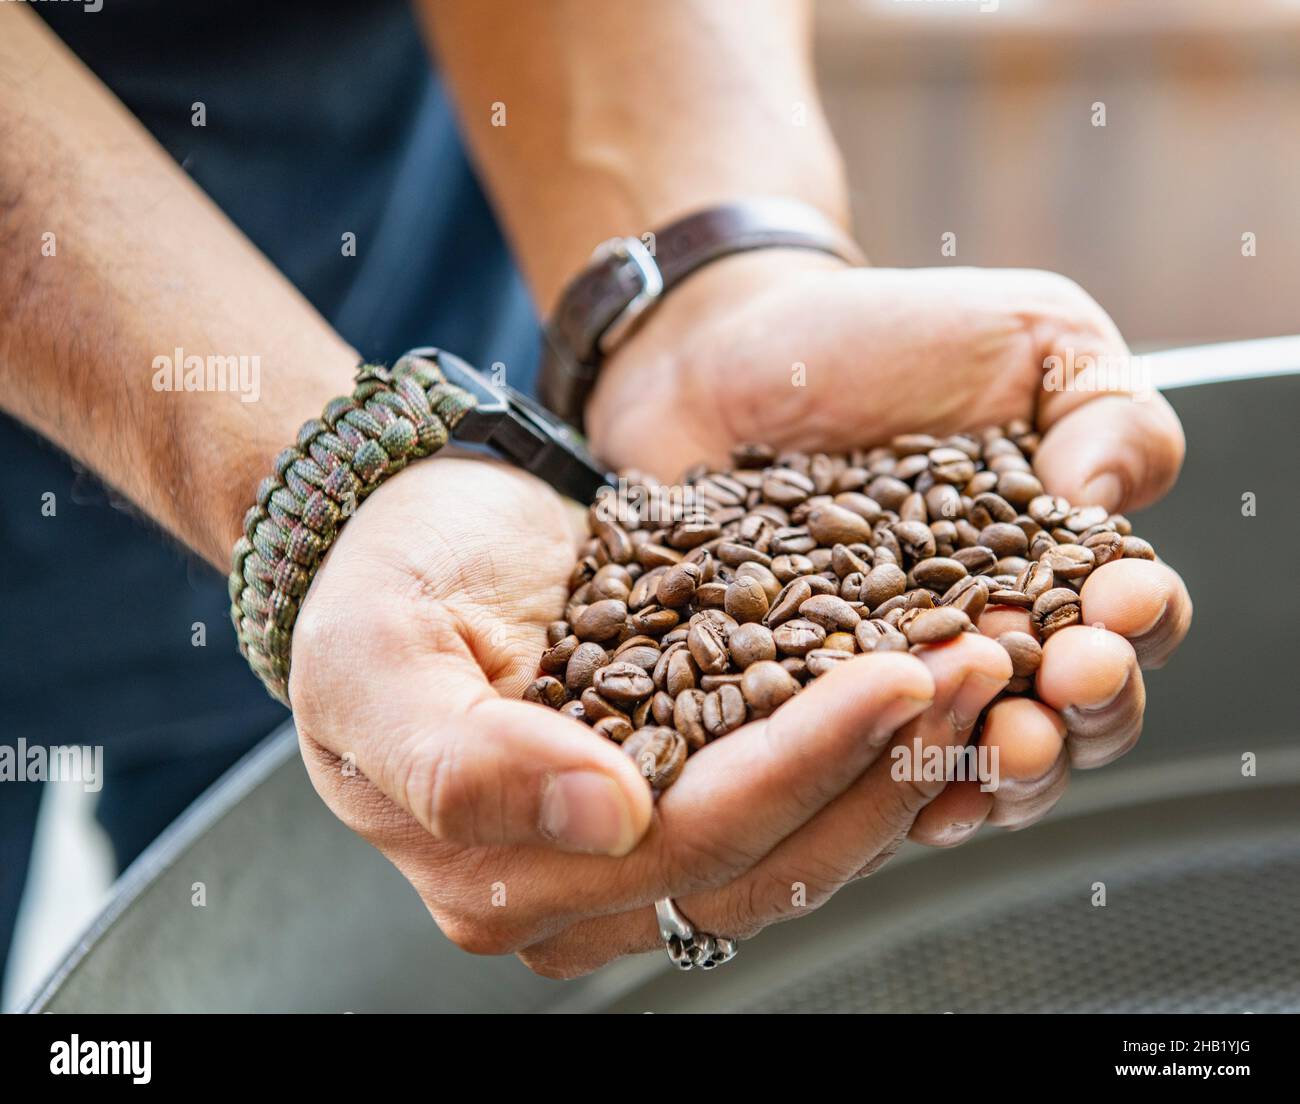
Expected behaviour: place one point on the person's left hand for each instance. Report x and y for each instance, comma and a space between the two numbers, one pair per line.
796, 350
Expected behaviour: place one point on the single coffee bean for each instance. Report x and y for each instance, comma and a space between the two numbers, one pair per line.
841, 642
623, 683
951, 465
1010, 596
557, 631
556, 658
596, 707
688, 718
1035, 579
787, 603
830, 612
936, 625
661, 710
652, 620
1055, 610
976, 559
707, 647
710, 595
586, 660
1085, 518
723, 710
989, 508
939, 572
915, 540
830, 524
882, 583
746, 600
1069, 561
1135, 548
1019, 488
1004, 539
574, 710
750, 643
601, 620
617, 729
659, 753
644, 656
1105, 546
1048, 510
821, 660
798, 637
763, 576
677, 585
766, 686
1025, 652
546, 690
682, 671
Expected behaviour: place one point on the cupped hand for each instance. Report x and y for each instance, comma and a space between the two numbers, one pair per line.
799, 351
521, 829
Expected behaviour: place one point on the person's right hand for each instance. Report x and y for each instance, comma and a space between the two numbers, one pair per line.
523, 830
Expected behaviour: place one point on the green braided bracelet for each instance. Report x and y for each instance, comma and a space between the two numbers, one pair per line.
392, 417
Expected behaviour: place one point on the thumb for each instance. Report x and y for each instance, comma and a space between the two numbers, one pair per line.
486, 770
473, 768
1115, 450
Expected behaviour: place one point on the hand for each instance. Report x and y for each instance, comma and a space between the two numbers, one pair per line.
797, 350
520, 828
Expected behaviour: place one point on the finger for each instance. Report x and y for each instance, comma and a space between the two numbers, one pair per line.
743, 794
954, 816
1091, 677
471, 767
1032, 764
1114, 451
1143, 601
847, 839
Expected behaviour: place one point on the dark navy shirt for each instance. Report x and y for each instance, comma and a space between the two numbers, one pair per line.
322, 119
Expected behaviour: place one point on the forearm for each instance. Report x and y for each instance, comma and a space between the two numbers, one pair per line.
620, 116
141, 264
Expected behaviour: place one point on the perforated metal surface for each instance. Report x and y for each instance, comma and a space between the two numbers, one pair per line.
1217, 930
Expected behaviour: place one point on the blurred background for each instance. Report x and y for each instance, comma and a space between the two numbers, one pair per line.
980, 123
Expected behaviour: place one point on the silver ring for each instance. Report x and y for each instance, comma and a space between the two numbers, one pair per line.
686, 947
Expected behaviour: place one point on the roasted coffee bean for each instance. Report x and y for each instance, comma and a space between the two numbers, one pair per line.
1086, 518
723, 710
1055, 610
659, 753
1025, 652
829, 524
707, 647
653, 620
821, 660
1004, 539
841, 642
586, 660
1105, 546
556, 658
1019, 488
1010, 596
574, 709
1035, 579
1135, 548
763, 576
557, 631
939, 572
915, 540
617, 729
786, 568
766, 686
951, 465
601, 620
746, 600
596, 706
989, 508
677, 585
977, 559
786, 606
750, 643
831, 613
1048, 510
936, 625
623, 683
546, 691
688, 718
882, 583
846, 560
681, 672
798, 637
1069, 561
661, 710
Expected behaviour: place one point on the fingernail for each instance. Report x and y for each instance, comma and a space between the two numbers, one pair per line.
1105, 490
976, 691
587, 811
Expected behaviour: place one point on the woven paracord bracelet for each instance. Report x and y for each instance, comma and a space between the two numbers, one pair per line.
392, 417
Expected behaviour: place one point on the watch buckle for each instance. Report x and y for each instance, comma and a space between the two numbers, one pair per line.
633, 253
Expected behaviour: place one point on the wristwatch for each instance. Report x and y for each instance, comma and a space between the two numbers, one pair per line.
627, 277
394, 416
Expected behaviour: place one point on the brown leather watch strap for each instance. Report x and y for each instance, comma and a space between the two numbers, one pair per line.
625, 279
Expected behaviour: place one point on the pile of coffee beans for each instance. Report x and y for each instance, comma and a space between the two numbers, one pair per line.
696, 608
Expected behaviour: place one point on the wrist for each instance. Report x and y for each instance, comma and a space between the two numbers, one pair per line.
660, 357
